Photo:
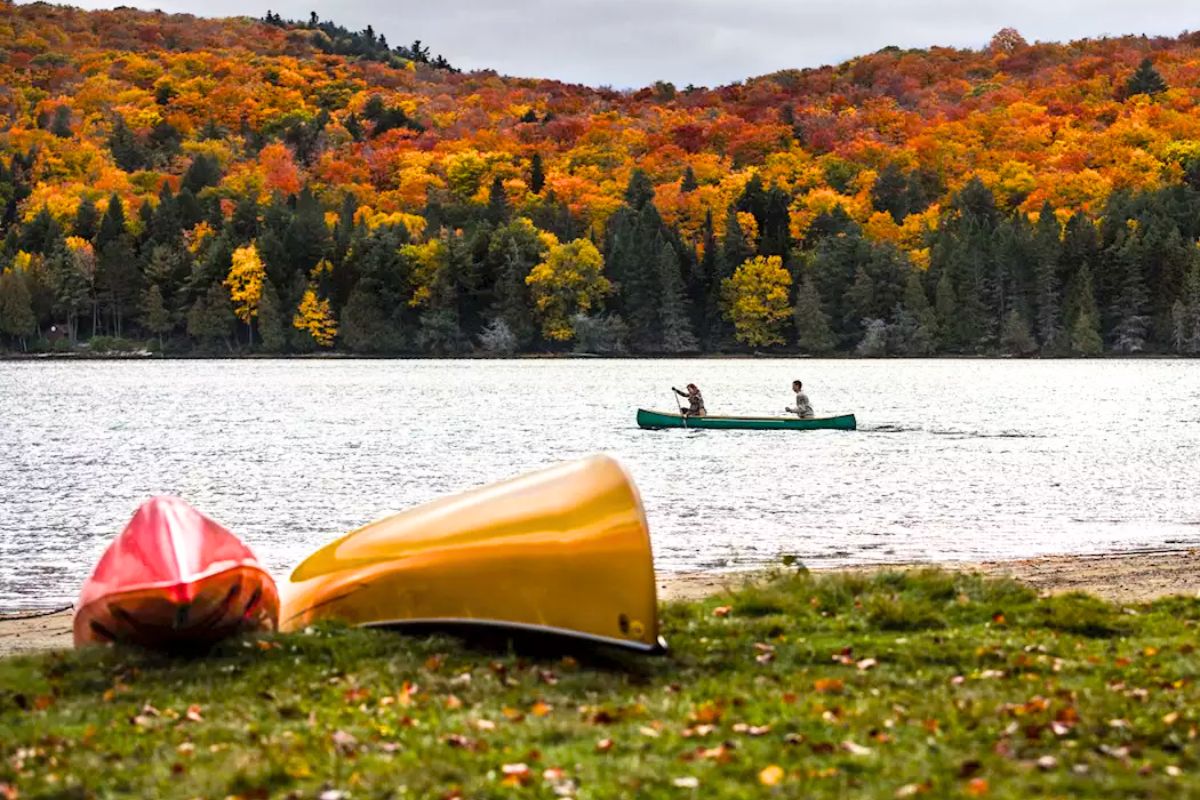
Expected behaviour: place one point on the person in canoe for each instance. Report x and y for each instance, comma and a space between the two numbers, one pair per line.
803, 408
695, 401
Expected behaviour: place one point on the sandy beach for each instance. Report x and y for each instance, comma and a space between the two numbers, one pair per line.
1118, 577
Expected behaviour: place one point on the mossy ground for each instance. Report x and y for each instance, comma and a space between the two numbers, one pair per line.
848, 685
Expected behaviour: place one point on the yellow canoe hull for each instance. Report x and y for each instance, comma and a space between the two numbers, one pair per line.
564, 551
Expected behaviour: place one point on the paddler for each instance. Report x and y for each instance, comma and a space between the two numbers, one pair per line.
695, 400
803, 408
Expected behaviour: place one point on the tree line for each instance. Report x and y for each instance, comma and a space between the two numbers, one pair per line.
197, 273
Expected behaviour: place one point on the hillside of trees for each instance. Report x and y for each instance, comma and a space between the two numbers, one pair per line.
238, 185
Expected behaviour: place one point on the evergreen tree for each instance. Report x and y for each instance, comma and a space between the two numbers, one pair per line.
946, 309
537, 175
204, 171
874, 342
16, 307
688, 183
112, 226
1146, 80
126, 150
497, 207
519, 248
640, 191
119, 280
364, 323
87, 219
72, 288
890, 193
155, 317
497, 339
1047, 247
1131, 328
673, 317
600, 334
1015, 337
1085, 336
211, 317
272, 324
812, 323
916, 321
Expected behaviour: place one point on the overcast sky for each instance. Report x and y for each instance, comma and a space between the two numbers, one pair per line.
627, 43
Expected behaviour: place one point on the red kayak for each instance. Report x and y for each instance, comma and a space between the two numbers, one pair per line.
174, 579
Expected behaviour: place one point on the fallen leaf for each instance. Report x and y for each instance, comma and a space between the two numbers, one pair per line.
452, 702
484, 725
1170, 719
771, 776
434, 662
722, 611
604, 745
516, 774
193, 714
1047, 763
829, 686
913, 789
540, 709
977, 787
855, 749
866, 664
344, 742
687, 783
697, 730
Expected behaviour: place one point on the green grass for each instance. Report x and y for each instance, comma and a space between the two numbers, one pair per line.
894, 684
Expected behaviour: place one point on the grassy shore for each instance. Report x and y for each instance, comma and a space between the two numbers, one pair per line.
904, 684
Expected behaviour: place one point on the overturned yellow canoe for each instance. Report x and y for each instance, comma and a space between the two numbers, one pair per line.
564, 551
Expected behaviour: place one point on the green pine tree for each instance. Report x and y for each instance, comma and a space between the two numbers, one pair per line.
537, 174
673, 314
155, 317
16, 307
210, 319
812, 323
272, 324
1146, 80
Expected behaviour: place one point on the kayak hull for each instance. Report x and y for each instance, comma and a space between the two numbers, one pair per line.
174, 580
664, 419
563, 551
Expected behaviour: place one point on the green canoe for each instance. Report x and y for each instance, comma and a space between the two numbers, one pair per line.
664, 419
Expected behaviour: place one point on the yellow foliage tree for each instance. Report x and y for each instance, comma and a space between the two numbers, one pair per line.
315, 317
245, 283
427, 260
756, 300
569, 281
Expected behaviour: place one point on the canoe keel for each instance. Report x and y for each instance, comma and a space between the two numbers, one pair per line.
563, 551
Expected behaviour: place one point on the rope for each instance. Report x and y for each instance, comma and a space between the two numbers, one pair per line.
37, 614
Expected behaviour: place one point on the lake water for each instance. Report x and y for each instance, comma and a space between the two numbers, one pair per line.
953, 460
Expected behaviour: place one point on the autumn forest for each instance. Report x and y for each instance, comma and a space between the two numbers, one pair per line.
234, 186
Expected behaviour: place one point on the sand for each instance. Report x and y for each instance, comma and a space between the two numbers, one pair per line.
1130, 577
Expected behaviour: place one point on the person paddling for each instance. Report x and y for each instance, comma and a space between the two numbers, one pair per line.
803, 408
695, 400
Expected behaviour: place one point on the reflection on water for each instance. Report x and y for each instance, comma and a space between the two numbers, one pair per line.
953, 459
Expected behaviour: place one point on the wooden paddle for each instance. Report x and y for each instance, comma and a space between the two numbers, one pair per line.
679, 405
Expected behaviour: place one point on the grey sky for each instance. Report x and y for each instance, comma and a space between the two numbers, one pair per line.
626, 43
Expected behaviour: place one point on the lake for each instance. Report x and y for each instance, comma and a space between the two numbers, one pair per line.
953, 459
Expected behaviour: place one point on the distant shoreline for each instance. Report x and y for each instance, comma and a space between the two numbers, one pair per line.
1130, 577
35, 357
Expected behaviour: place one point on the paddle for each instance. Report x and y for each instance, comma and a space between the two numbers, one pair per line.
679, 405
